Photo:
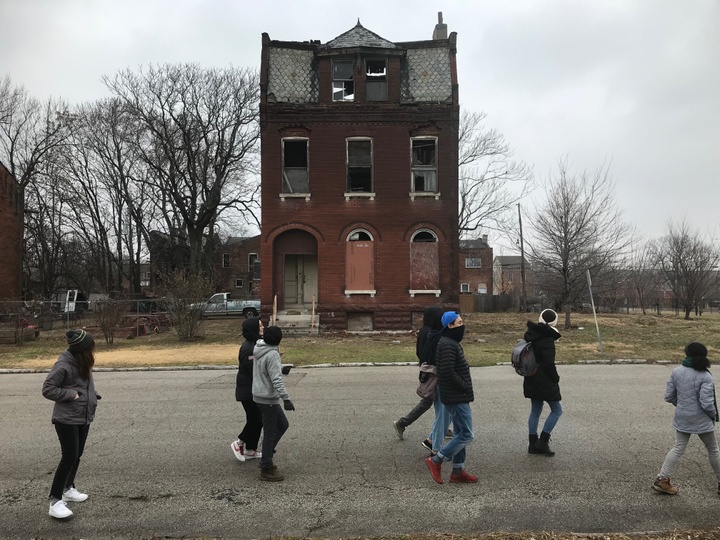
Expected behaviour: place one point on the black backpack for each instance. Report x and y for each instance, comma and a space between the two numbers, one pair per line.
523, 359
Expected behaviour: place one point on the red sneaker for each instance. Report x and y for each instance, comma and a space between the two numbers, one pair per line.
463, 477
435, 471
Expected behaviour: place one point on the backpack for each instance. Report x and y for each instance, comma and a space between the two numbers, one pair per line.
523, 359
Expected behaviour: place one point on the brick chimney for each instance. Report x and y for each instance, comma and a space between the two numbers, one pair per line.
440, 31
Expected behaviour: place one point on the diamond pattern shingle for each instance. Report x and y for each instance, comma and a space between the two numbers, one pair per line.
426, 75
291, 77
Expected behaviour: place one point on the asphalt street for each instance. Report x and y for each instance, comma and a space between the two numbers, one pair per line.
158, 460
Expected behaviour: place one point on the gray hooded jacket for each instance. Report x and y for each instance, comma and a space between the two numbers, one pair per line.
268, 386
692, 393
62, 384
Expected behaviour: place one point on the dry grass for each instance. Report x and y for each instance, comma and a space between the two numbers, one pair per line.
489, 339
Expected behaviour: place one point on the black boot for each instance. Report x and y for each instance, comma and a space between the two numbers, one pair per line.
543, 445
532, 449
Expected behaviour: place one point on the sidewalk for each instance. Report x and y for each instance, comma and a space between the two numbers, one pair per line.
158, 459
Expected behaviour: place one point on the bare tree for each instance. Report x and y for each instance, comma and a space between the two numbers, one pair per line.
577, 228
491, 182
642, 276
198, 134
689, 265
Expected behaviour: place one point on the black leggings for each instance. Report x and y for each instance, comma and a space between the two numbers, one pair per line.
72, 443
250, 434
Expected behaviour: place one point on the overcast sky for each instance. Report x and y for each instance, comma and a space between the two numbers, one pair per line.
632, 83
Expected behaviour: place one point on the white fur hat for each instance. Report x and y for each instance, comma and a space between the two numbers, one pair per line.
549, 317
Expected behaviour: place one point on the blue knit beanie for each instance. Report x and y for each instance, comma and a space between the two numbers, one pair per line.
448, 318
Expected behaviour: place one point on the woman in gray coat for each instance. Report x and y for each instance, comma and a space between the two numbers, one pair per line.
70, 385
691, 389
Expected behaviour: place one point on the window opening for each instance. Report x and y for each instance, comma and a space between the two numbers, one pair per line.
343, 81
473, 262
295, 166
238, 283
376, 80
424, 236
424, 168
359, 166
465, 287
359, 236
226, 260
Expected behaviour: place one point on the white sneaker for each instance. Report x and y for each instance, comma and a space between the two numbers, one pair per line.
252, 454
73, 495
238, 449
59, 510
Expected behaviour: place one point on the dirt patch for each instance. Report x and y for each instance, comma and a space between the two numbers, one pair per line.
190, 355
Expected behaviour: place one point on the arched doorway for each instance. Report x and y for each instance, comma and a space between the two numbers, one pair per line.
295, 269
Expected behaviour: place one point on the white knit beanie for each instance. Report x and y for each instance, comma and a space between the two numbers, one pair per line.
549, 317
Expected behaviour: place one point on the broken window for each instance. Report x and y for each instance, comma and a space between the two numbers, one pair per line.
424, 165
295, 166
359, 166
343, 81
376, 80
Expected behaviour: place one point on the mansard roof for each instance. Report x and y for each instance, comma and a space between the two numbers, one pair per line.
359, 36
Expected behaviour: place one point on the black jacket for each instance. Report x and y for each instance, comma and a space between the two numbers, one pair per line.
453, 372
243, 386
431, 322
544, 384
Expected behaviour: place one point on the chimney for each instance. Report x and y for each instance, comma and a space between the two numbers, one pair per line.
440, 31
484, 239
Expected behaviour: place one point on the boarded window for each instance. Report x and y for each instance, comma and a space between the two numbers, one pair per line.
295, 166
359, 166
424, 262
359, 262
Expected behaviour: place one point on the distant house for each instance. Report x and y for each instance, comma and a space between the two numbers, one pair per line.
360, 177
237, 267
476, 266
507, 276
11, 239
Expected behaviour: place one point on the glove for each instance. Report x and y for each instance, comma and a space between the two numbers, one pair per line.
288, 405
286, 369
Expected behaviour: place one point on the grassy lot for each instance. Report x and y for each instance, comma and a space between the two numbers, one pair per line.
488, 340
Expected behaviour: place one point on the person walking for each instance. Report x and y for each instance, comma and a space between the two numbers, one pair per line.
431, 321
691, 389
245, 447
70, 385
456, 393
544, 386
268, 389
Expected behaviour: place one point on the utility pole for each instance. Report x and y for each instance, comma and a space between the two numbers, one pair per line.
523, 298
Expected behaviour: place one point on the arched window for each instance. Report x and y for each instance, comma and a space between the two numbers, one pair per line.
359, 263
424, 263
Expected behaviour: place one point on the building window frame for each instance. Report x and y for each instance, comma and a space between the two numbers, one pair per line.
424, 167
376, 79
239, 283
226, 260
464, 287
359, 157
295, 168
473, 262
343, 81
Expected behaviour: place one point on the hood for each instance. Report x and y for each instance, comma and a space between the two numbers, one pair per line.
251, 328
538, 331
432, 317
262, 349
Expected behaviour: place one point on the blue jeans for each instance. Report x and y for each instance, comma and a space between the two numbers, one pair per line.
462, 434
536, 408
440, 424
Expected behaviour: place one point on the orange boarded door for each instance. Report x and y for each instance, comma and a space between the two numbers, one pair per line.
359, 266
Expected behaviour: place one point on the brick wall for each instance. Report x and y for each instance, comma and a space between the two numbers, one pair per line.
11, 239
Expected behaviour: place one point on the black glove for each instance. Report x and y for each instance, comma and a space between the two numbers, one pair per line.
288, 405
286, 369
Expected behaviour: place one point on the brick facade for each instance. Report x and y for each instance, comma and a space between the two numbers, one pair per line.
11, 239
476, 266
237, 268
359, 177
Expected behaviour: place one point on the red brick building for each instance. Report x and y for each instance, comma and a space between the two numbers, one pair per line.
237, 269
360, 177
476, 266
11, 239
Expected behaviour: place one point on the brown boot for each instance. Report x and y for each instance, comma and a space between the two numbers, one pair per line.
271, 474
663, 485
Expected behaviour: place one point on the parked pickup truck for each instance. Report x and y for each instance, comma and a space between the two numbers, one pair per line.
223, 304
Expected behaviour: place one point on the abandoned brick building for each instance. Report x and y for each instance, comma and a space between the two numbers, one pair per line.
11, 239
360, 177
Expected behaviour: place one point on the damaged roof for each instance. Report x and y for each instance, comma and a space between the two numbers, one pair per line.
359, 36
